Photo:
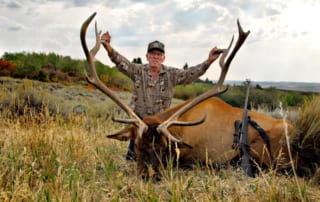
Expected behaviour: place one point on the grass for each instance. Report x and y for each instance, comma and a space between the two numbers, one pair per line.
68, 158
64, 161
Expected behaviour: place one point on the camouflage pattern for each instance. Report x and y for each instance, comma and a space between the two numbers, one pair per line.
151, 96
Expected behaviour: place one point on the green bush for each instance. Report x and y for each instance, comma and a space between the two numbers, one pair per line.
293, 99
191, 90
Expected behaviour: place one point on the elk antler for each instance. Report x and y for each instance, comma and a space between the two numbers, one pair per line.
224, 64
94, 79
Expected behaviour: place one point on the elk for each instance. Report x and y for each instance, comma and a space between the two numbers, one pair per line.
201, 128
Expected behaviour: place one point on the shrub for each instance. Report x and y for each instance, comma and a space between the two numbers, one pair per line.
293, 99
6, 67
27, 103
192, 90
305, 138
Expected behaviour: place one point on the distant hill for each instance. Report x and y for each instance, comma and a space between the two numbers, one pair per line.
294, 86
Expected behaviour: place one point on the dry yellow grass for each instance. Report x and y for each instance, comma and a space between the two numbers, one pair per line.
67, 158
63, 160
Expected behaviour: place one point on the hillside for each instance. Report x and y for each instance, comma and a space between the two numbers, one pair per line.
62, 98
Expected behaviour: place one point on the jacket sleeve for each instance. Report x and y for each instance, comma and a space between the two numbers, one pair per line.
123, 64
189, 75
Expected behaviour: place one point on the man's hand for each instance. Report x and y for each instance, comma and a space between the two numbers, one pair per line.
105, 38
214, 54
105, 41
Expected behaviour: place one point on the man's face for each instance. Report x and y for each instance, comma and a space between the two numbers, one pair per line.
155, 58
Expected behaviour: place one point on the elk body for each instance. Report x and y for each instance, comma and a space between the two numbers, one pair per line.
202, 128
209, 142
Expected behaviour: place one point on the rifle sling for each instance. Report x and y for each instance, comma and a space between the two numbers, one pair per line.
262, 133
256, 126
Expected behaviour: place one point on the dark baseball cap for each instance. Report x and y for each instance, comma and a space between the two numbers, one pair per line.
156, 45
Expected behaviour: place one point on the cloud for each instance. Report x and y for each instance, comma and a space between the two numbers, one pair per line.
13, 4
9, 25
189, 29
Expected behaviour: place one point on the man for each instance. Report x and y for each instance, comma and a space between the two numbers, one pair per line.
154, 82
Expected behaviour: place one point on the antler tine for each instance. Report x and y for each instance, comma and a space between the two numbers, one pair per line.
222, 64
84, 43
94, 79
225, 65
213, 92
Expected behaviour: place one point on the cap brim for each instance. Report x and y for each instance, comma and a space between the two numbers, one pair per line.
151, 49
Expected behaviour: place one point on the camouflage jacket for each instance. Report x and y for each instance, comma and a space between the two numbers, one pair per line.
151, 96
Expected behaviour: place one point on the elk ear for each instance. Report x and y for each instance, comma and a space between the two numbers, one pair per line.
123, 135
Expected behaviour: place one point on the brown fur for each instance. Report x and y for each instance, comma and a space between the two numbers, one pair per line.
211, 141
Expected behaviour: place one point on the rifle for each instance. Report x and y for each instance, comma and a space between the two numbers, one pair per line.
245, 156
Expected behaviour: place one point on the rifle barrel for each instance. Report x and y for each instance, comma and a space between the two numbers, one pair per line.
245, 156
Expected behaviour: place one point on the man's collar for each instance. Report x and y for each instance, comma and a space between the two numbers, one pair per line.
162, 69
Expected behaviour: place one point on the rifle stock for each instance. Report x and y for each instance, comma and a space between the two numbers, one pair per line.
246, 165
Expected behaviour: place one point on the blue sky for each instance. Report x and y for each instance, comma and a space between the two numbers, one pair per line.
284, 43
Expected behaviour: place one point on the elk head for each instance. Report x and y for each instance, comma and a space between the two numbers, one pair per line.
152, 134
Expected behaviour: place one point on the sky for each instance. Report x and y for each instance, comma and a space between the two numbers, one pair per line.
283, 45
